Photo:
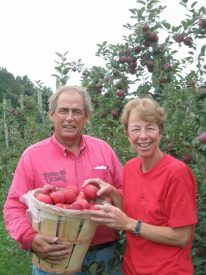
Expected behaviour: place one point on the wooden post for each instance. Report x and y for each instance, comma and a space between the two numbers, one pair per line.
39, 99
6, 132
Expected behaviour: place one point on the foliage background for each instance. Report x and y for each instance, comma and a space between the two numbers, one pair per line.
179, 87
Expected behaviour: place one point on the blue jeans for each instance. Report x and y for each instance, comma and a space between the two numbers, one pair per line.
108, 260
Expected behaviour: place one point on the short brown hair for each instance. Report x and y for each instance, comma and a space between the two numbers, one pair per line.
147, 109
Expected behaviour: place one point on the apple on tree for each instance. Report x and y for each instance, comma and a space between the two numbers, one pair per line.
202, 137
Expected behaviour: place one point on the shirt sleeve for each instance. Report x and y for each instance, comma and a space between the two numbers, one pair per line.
180, 200
116, 168
16, 220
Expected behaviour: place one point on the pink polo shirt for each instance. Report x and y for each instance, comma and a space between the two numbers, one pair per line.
49, 162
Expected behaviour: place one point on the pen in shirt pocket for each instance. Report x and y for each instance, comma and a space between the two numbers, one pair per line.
101, 167
99, 171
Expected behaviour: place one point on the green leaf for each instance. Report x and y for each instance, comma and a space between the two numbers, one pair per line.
167, 25
133, 11
193, 4
202, 52
141, 2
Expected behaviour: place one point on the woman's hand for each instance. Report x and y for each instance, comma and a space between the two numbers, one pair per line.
111, 216
106, 190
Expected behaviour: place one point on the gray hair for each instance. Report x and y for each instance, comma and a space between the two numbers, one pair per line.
87, 100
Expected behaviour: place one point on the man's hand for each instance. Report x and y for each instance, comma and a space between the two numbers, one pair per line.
48, 248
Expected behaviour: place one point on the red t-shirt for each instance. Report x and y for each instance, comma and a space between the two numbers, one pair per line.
163, 196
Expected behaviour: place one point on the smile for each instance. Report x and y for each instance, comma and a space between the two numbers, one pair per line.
144, 145
69, 127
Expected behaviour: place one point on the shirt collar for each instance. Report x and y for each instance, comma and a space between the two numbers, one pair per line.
63, 149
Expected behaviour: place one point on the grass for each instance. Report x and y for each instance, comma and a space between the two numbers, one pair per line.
13, 261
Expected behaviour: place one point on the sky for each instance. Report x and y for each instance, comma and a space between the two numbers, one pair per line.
33, 30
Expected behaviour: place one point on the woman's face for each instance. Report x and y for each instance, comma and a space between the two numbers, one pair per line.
144, 136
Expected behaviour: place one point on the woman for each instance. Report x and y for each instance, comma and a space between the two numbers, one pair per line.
159, 206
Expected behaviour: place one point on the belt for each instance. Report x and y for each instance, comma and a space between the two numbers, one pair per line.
101, 246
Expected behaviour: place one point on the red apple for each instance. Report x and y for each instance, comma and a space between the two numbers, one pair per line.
74, 188
187, 158
60, 205
48, 188
137, 49
121, 93
145, 27
167, 67
57, 197
66, 206
202, 137
150, 65
202, 23
84, 203
132, 71
164, 78
90, 191
69, 196
151, 36
188, 41
131, 59
44, 198
92, 206
123, 59
178, 37
80, 196
133, 65
76, 206
115, 113
147, 43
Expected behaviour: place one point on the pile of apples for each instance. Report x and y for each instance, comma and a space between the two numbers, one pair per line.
70, 197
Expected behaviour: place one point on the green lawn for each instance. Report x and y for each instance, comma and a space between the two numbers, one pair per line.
13, 261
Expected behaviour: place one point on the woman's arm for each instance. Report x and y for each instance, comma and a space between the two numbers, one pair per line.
113, 217
163, 234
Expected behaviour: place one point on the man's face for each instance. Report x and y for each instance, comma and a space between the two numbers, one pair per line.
69, 117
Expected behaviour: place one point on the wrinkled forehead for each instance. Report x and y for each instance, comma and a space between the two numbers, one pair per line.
70, 97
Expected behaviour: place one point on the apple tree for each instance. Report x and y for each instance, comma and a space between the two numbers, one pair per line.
168, 63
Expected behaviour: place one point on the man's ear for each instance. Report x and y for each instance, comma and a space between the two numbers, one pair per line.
50, 115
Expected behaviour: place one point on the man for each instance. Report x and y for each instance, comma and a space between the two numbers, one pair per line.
68, 157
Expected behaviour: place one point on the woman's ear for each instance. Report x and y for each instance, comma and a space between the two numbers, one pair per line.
129, 139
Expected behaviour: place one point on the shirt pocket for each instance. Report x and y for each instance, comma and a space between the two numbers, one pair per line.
101, 172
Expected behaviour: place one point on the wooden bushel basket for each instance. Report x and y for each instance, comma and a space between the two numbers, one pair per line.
72, 227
